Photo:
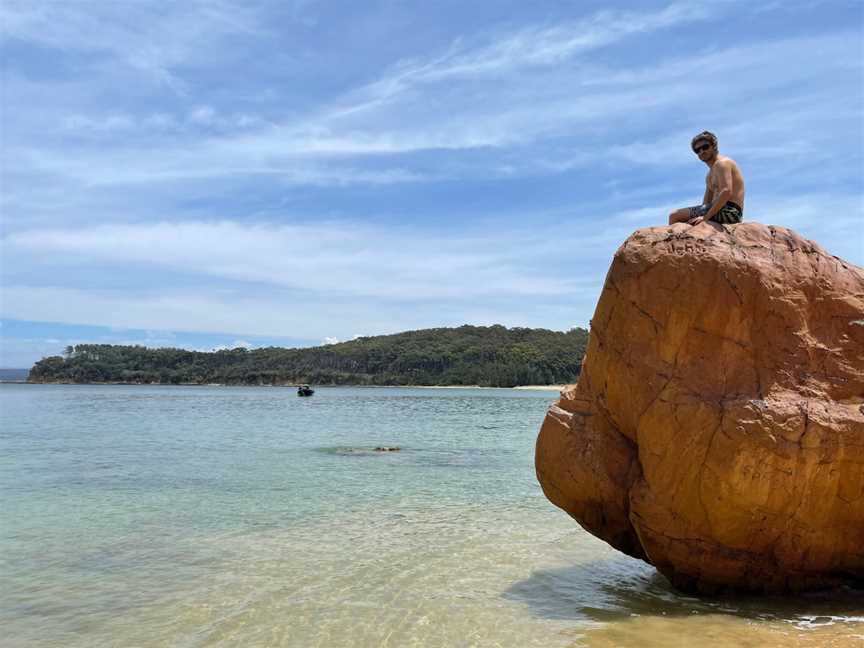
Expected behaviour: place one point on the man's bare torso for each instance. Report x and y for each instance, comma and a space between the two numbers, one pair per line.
712, 181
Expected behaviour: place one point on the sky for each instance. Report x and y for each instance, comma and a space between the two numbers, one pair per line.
208, 174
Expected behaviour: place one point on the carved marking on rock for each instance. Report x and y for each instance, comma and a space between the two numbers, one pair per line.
683, 248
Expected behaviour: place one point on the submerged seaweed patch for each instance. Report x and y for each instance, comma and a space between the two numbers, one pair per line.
358, 451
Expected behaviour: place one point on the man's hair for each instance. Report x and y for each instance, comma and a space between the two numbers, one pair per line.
704, 135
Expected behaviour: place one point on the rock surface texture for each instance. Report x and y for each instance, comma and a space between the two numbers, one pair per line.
717, 429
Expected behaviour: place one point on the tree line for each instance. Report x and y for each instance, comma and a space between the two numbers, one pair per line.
490, 356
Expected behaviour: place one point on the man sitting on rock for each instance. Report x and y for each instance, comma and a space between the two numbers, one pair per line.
724, 187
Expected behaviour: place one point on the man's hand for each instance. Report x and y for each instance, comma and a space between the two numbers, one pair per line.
696, 221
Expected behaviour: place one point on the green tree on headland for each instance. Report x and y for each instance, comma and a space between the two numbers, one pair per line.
492, 356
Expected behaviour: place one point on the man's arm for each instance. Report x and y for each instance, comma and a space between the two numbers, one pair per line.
724, 189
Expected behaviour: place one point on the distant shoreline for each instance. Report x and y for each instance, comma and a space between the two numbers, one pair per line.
131, 384
446, 357
525, 387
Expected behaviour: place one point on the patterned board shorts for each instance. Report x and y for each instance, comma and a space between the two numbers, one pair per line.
729, 214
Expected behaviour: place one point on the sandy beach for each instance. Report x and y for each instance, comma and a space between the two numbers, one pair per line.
542, 387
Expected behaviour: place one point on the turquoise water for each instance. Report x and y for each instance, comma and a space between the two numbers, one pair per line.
221, 516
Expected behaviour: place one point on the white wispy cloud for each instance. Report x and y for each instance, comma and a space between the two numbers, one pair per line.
336, 340
336, 279
327, 257
106, 123
272, 315
531, 46
210, 161
562, 103
151, 39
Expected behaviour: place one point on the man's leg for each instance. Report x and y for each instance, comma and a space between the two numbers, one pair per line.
680, 216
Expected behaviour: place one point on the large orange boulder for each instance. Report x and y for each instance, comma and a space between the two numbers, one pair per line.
717, 429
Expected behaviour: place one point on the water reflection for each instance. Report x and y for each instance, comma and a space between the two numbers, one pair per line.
628, 603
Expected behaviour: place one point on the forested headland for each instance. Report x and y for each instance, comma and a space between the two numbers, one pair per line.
489, 356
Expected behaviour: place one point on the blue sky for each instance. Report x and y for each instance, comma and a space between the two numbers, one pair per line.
213, 173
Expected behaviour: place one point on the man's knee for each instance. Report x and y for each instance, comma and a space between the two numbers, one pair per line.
679, 216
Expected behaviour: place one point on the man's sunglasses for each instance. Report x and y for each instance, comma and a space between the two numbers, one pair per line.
698, 149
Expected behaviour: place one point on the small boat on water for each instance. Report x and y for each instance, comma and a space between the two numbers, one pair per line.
305, 390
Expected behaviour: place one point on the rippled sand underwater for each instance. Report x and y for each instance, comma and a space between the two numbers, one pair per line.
432, 578
254, 540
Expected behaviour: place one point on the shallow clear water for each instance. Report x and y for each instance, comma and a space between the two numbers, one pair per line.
221, 516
